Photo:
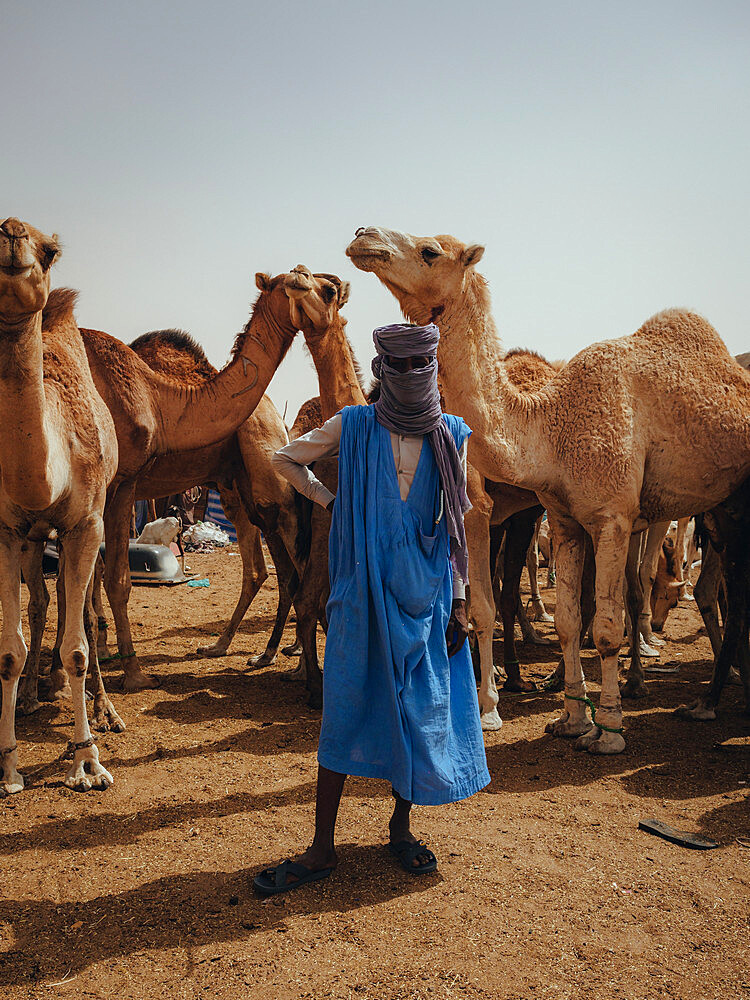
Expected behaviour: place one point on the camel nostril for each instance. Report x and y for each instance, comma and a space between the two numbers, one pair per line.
359, 232
14, 229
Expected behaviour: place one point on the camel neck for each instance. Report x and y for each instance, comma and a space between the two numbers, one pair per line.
476, 386
24, 442
337, 376
196, 417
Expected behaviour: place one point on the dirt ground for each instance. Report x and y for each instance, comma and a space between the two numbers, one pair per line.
546, 888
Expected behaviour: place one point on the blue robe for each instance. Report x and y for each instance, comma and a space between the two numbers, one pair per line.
394, 705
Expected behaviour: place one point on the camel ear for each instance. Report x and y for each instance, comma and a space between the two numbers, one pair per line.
51, 251
472, 255
263, 281
344, 293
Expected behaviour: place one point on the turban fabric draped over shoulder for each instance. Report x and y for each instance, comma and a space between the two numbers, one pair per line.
409, 404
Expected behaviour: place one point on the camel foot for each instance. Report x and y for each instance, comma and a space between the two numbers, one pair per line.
105, 718
599, 742
647, 651
551, 578
518, 686
634, 688
295, 649
218, 649
491, 721
734, 676
27, 702
565, 726
700, 711
11, 779
86, 772
55, 687
538, 612
654, 640
264, 659
298, 674
136, 680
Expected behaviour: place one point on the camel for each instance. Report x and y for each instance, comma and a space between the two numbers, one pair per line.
156, 417
58, 454
648, 427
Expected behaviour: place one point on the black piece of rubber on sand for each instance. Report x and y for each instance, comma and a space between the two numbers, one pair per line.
272, 881
681, 837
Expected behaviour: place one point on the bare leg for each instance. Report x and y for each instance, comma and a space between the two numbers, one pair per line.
12, 659
322, 852
32, 553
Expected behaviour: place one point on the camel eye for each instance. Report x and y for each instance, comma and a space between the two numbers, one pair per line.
329, 293
429, 255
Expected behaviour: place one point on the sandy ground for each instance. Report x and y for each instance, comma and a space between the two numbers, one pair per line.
546, 887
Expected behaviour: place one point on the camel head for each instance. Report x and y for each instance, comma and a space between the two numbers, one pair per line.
423, 272
26, 256
315, 300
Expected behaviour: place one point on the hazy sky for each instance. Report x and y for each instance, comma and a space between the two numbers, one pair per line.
600, 151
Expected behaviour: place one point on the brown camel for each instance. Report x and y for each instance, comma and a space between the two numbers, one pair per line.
253, 496
632, 431
156, 417
58, 454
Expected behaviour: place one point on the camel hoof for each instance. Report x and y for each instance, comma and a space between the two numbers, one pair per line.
136, 680
214, 651
699, 712
106, 719
540, 640
87, 773
265, 659
565, 726
603, 744
294, 650
27, 704
647, 651
734, 676
12, 786
298, 674
633, 688
491, 721
539, 613
56, 686
654, 640
11, 779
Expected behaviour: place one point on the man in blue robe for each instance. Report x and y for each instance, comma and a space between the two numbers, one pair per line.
399, 697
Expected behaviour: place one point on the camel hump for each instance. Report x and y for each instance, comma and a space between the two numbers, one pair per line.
178, 339
60, 306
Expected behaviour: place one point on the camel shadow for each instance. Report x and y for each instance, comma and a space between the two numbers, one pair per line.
193, 910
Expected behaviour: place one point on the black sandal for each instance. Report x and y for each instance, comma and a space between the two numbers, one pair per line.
407, 851
272, 881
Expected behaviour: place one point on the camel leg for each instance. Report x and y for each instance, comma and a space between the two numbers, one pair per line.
12, 658
647, 573
254, 571
538, 610
569, 549
57, 686
706, 593
287, 584
117, 584
556, 680
680, 553
104, 714
32, 553
81, 546
611, 553
307, 603
483, 610
102, 647
635, 685
520, 528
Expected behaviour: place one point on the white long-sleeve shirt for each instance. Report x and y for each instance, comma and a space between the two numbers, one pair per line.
292, 463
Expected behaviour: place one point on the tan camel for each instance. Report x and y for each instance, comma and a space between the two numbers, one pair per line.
158, 417
58, 453
632, 431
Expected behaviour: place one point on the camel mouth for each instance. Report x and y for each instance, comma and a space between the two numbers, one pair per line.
16, 270
366, 258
